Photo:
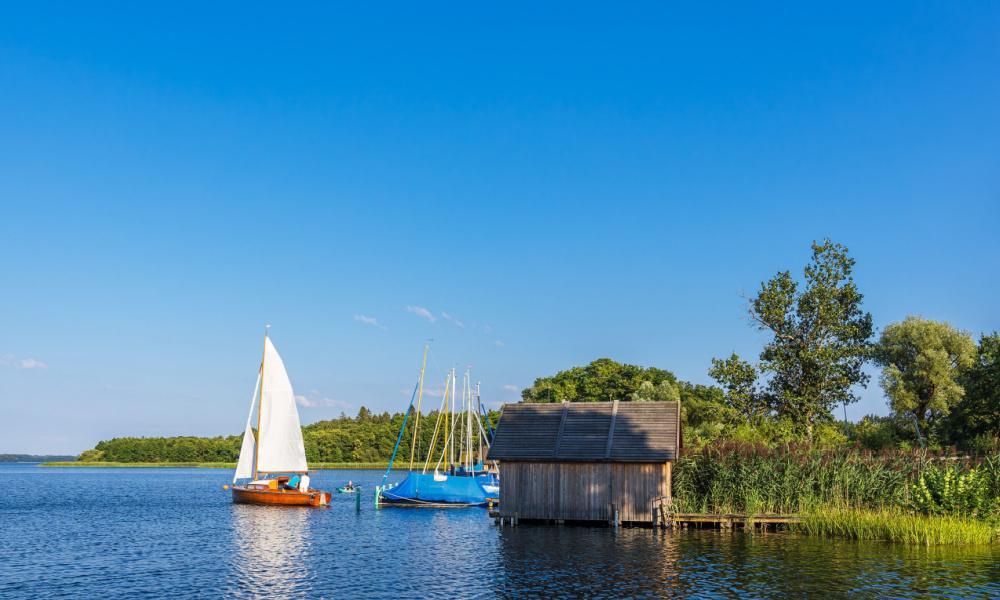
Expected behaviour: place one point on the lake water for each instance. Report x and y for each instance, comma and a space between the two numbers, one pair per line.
81, 532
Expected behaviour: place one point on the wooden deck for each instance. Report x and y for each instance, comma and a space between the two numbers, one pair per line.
695, 520
687, 521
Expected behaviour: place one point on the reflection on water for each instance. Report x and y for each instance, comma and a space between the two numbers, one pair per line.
126, 533
588, 562
271, 548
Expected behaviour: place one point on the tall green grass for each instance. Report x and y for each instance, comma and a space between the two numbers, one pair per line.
899, 526
757, 479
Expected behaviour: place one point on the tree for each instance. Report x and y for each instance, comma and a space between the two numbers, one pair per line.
600, 381
821, 337
739, 379
974, 422
665, 391
921, 363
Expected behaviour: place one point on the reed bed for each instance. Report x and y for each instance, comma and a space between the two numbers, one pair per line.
910, 497
899, 526
756, 479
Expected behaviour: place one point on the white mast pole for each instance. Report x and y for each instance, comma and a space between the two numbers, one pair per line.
260, 407
451, 455
468, 417
479, 404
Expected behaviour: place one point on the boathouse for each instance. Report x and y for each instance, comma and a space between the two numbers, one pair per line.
586, 461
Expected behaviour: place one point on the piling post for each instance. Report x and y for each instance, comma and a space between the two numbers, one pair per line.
357, 501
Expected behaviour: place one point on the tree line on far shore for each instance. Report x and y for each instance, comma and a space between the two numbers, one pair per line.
365, 438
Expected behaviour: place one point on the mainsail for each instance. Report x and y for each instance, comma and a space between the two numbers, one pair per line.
244, 468
281, 449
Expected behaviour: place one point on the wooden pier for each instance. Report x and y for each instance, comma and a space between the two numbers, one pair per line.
719, 521
669, 520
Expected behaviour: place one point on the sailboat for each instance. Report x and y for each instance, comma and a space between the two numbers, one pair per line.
273, 462
459, 477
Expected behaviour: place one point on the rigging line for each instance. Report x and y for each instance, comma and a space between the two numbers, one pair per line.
437, 424
420, 396
399, 438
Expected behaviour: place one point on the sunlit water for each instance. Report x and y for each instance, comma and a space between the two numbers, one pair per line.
98, 533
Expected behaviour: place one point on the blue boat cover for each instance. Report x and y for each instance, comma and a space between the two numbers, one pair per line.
419, 488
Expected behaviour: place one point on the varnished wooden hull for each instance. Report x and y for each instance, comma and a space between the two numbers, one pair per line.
242, 495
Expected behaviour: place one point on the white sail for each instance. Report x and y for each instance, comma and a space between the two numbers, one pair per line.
281, 448
244, 468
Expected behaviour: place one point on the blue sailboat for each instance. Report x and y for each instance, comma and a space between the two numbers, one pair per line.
460, 477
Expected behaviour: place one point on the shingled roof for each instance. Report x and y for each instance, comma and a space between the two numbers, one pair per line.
588, 432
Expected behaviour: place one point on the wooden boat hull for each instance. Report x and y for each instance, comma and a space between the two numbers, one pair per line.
243, 495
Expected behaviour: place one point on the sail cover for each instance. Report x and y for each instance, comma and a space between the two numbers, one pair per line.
419, 488
244, 468
281, 448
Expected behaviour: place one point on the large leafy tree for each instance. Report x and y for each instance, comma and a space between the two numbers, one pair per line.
976, 418
739, 380
922, 361
821, 338
600, 381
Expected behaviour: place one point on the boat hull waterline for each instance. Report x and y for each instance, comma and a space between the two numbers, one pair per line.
314, 498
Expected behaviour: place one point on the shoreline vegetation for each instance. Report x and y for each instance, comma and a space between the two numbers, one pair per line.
912, 497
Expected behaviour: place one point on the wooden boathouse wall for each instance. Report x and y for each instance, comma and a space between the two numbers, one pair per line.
586, 461
582, 491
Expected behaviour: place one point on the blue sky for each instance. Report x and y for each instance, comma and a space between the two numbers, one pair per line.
564, 182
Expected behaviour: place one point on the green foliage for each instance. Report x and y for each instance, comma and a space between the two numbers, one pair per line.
600, 381
821, 339
665, 391
92, 455
922, 361
882, 433
974, 423
951, 490
367, 438
739, 379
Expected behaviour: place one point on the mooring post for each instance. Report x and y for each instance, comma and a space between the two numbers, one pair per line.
357, 501
378, 492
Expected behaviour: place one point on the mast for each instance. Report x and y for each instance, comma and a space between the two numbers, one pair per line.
469, 456
452, 413
260, 406
479, 436
420, 394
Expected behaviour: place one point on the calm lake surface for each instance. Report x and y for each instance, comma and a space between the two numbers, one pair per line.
156, 532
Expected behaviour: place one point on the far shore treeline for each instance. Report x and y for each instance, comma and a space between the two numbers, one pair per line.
34, 458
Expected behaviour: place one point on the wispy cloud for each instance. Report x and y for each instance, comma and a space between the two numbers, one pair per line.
432, 392
511, 388
366, 320
315, 400
9, 360
452, 319
499, 344
487, 329
421, 312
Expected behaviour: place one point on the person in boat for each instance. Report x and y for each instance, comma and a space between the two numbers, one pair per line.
350, 485
293, 483
304, 483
